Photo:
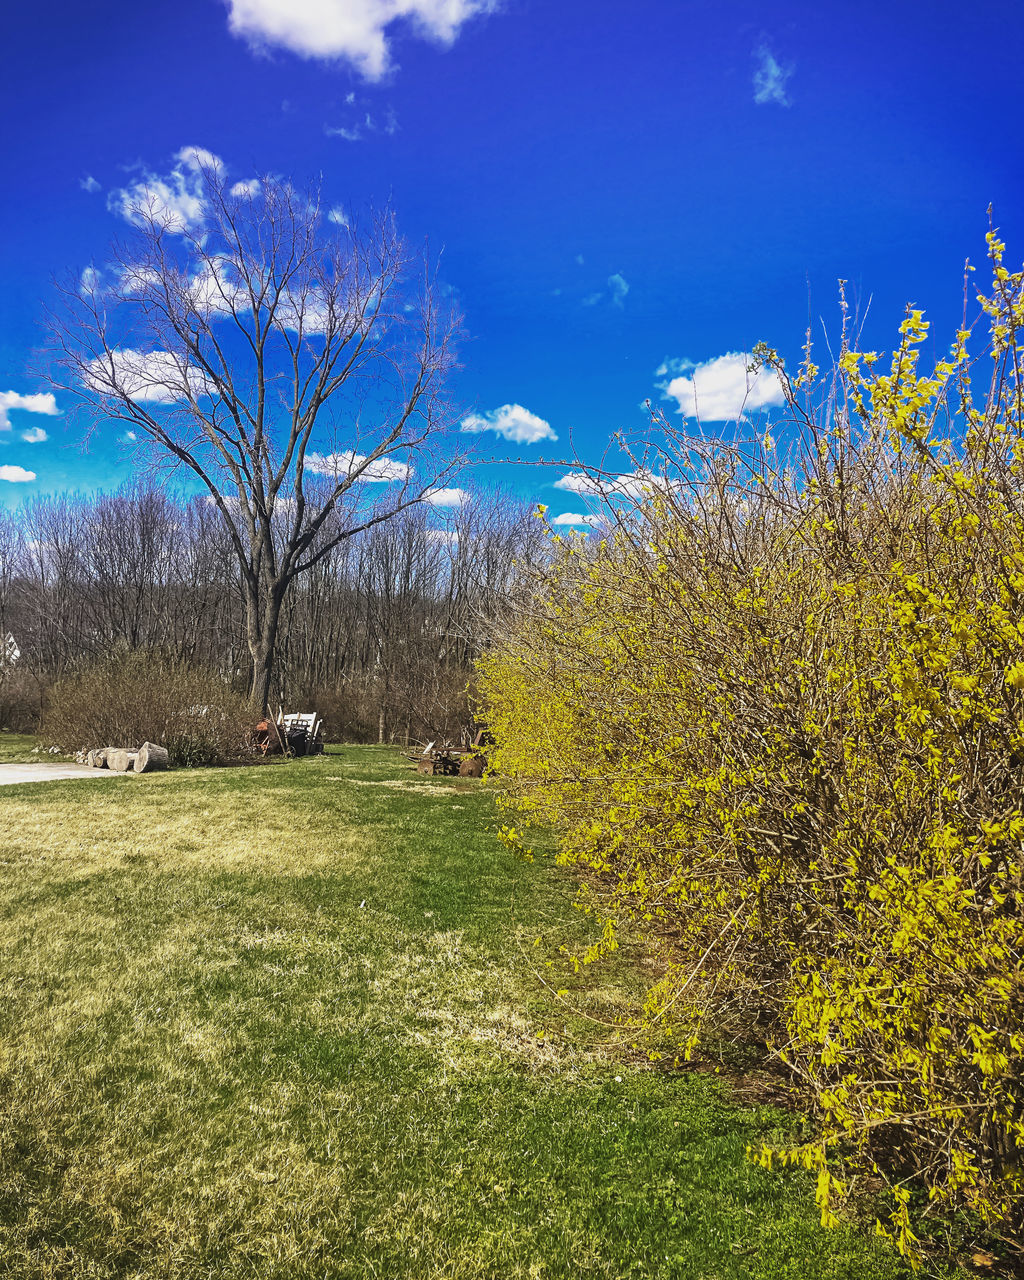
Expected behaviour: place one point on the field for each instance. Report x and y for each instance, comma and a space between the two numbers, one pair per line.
291, 1021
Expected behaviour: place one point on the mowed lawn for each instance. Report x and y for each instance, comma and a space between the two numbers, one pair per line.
286, 1021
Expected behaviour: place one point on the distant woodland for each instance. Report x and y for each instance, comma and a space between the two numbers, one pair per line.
379, 635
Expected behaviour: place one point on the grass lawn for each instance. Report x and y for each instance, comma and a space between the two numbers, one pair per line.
284, 1022
18, 748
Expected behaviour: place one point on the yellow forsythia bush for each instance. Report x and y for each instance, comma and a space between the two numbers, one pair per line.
777, 711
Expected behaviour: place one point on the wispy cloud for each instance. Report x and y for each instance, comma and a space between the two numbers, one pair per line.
356, 33
631, 484
89, 183
511, 422
356, 130
615, 293
770, 78
336, 465
175, 201
88, 281
39, 402
350, 134
151, 377
722, 389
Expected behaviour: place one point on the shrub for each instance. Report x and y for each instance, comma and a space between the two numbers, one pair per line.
779, 711
20, 694
126, 698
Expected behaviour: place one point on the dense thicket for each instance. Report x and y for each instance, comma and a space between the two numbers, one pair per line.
132, 696
779, 713
379, 635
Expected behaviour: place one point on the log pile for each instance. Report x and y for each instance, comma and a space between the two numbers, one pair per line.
145, 759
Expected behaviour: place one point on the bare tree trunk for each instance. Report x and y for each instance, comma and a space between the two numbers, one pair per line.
263, 619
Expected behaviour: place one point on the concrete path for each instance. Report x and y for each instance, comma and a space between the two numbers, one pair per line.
11, 773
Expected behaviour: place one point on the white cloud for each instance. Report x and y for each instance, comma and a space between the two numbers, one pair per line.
574, 518
40, 402
384, 471
354, 31
722, 389
198, 158
174, 202
580, 482
135, 278
210, 291
770, 78
618, 287
355, 131
16, 475
34, 435
89, 183
355, 134
671, 366
338, 216
447, 497
151, 377
249, 187
632, 484
88, 281
511, 422
175, 206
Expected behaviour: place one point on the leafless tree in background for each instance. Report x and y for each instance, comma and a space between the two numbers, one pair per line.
294, 365
379, 635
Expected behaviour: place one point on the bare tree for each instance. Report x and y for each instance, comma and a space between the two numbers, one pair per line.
294, 364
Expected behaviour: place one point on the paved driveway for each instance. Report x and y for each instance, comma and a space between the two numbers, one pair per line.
11, 773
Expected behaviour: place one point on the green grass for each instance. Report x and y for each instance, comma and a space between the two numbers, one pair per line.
19, 748
286, 1022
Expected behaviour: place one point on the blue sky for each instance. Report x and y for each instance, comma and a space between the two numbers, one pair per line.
617, 188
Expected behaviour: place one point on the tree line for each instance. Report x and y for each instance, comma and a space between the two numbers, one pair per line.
379, 635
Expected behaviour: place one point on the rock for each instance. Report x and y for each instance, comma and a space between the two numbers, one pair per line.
150, 757
120, 760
